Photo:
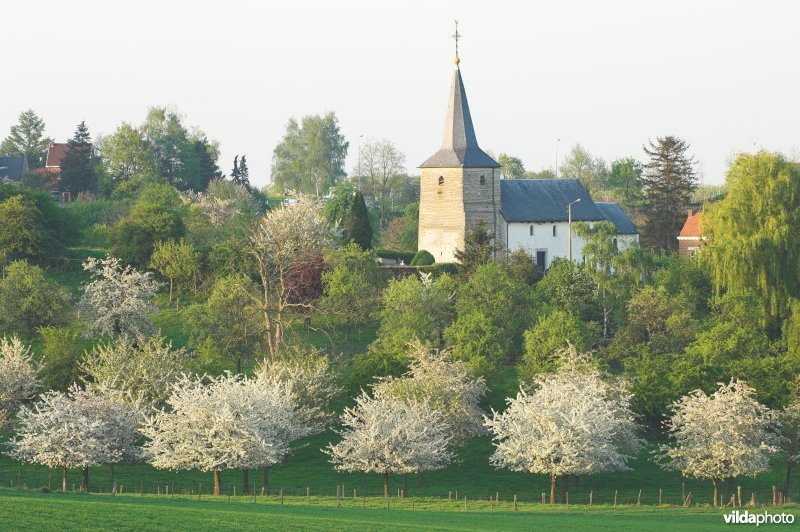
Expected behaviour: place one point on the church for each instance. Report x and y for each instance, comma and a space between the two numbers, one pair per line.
461, 184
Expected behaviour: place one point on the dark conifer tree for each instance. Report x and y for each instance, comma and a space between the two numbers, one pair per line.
235, 172
479, 248
207, 166
359, 229
77, 167
668, 183
244, 173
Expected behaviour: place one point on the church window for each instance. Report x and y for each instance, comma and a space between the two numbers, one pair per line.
531, 230
554, 230
441, 180
483, 179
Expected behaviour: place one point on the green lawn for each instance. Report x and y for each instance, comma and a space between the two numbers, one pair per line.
36, 511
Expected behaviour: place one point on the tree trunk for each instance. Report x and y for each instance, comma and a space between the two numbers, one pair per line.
564, 487
386, 485
216, 481
64, 480
238, 365
85, 482
420, 479
265, 475
405, 485
715, 481
245, 481
170, 290
553, 488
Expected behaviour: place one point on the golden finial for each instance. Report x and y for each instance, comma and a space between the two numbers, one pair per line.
456, 35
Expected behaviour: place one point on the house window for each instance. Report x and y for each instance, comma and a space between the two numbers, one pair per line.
554, 230
616, 248
483, 180
441, 180
531, 230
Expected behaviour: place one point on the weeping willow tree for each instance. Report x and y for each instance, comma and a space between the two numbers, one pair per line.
753, 235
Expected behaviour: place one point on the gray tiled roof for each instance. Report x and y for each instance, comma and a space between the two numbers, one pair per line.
459, 146
545, 200
12, 168
614, 213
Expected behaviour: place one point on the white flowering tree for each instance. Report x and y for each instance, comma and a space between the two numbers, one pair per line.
225, 422
573, 422
79, 428
280, 242
143, 368
719, 436
446, 385
18, 377
384, 436
223, 200
118, 300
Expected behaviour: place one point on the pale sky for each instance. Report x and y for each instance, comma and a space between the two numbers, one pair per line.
724, 75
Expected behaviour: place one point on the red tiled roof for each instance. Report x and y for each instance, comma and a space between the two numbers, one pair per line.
691, 229
55, 154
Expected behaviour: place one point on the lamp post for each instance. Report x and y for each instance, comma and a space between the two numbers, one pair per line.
569, 229
557, 141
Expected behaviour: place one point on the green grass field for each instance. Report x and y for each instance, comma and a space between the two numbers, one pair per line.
36, 511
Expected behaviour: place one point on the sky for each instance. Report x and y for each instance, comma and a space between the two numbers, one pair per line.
607, 74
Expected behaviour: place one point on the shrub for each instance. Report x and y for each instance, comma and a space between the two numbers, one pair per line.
422, 258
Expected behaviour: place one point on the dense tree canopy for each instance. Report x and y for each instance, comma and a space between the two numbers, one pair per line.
78, 166
27, 138
752, 233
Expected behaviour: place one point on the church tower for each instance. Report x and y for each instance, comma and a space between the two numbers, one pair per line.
459, 184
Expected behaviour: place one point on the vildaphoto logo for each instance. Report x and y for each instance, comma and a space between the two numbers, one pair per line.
748, 518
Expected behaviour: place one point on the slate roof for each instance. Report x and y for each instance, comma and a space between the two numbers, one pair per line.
545, 200
459, 145
12, 168
55, 154
691, 228
614, 214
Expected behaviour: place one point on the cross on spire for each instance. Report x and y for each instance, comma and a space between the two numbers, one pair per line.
456, 36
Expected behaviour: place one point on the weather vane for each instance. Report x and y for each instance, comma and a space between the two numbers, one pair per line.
456, 35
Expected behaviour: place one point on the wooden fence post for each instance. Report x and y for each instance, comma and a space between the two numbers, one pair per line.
338, 500
639, 498
465, 503
515, 502
308, 495
660, 496
543, 498
590, 499
615, 498
739, 495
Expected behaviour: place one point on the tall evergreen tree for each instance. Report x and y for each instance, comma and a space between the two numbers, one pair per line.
207, 163
244, 173
27, 138
77, 167
358, 228
235, 173
668, 183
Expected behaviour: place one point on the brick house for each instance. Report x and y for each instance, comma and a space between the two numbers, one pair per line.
690, 239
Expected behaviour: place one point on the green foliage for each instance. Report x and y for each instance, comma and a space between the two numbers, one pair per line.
352, 284
33, 226
338, 206
156, 216
128, 160
512, 167
173, 148
359, 229
753, 233
625, 180
439, 268
551, 334
405, 256
570, 287
62, 351
78, 166
228, 325
688, 279
410, 234
479, 248
177, 261
310, 157
668, 183
30, 301
579, 164
492, 311
422, 258
522, 268
27, 138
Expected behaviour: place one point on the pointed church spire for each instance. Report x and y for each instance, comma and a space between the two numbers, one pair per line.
459, 145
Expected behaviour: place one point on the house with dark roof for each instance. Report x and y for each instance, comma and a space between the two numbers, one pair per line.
690, 237
461, 184
13, 168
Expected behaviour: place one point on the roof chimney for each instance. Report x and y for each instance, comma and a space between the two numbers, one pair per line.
690, 212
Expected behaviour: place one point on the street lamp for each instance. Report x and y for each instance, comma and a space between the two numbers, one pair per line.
569, 228
557, 141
